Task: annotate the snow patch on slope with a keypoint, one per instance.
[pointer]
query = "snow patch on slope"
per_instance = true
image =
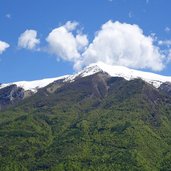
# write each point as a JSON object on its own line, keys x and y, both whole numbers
{"x": 129, "y": 74}
{"x": 90, "y": 70}
{"x": 33, "y": 85}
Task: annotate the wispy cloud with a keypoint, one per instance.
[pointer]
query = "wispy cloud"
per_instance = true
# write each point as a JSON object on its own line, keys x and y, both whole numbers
{"x": 130, "y": 14}
{"x": 165, "y": 43}
{"x": 167, "y": 29}
{"x": 147, "y": 1}
{"x": 8, "y": 16}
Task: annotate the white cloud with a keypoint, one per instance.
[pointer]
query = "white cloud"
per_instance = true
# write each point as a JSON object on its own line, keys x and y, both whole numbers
{"x": 70, "y": 26}
{"x": 65, "y": 44}
{"x": 82, "y": 41}
{"x": 3, "y": 46}
{"x": 28, "y": 40}
{"x": 115, "y": 43}
{"x": 123, "y": 44}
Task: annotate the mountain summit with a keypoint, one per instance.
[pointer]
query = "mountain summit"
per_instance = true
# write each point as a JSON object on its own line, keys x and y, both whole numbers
{"x": 11, "y": 93}
{"x": 114, "y": 71}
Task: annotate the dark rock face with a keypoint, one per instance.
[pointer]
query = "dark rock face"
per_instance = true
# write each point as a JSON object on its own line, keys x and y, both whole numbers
{"x": 92, "y": 86}
{"x": 51, "y": 88}
{"x": 10, "y": 95}
{"x": 100, "y": 85}
{"x": 166, "y": 88}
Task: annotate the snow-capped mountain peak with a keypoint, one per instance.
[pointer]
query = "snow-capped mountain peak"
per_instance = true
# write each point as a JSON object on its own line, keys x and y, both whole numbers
{"x": 120, "y": 71}
{"x": 114, "y": 71}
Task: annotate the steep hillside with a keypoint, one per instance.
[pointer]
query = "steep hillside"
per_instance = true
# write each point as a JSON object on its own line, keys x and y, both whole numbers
{"x": 97, "y": 122}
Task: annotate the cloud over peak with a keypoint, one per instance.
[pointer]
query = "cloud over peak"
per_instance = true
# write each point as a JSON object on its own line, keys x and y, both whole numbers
{"x": 3, "y": 46}
{"x": 114, "y": 43}
{"x": 28, "y": 40}
{"x": 123, "y": 44}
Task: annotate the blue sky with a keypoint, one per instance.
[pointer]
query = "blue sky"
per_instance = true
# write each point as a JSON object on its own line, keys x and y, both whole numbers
{"x": 44, "y": 58}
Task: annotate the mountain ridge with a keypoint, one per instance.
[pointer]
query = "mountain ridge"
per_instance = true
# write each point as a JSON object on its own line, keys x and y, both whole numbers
{"x": 115, "y": 71}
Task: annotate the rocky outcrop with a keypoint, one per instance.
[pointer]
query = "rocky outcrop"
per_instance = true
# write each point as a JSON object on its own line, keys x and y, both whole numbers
{"x": 166, "y": 88}
{"x": 11, "y": 95}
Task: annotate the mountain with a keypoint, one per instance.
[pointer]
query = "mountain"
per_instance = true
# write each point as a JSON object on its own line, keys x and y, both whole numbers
{"x": 11, "y": 93}
{"x": 114, "y": 71}
{"x": 102, "y": 118}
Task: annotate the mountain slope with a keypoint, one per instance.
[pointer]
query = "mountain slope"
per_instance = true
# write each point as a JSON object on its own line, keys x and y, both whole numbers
{"x": 12, "y": 93}
{"x": 97, "y": 122}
